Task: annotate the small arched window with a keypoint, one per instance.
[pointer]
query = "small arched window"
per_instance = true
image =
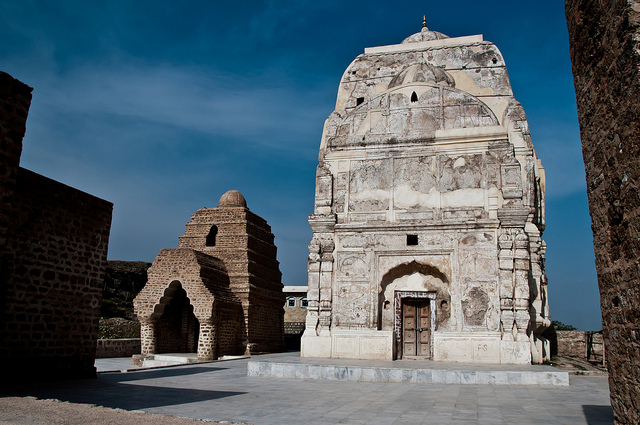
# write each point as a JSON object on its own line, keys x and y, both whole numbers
{"x": 211, "y": 237}
{"x": 291, "y": 302}
{"x": 414, "y": 97}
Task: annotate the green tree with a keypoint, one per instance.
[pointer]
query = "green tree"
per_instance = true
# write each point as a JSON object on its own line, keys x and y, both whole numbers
{"x": 559, "y": 326}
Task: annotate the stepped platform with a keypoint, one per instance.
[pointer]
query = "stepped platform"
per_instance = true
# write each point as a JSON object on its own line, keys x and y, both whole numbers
{"x": 406, "y": 371}
{"x": 166, "y": 359}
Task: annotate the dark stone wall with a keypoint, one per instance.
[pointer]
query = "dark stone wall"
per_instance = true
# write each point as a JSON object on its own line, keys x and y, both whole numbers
{"x": 54, "y": 246}
{"x": 15, "y": 99}
{"x": 604, "y": 40}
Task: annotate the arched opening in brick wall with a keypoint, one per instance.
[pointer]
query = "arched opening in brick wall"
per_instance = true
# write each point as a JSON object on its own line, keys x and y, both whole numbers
{"x": 177, "y": 330}
{"x": 211, "y": 237}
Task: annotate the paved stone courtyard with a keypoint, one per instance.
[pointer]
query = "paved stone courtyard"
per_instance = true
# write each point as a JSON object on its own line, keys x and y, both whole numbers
{"x": 222, "y": 391}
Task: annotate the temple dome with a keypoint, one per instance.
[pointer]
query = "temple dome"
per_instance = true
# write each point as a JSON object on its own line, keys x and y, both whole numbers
{"x": 424, "y": 35}
{"x": 232, "y": 198}
{"x": 422, "y": 73}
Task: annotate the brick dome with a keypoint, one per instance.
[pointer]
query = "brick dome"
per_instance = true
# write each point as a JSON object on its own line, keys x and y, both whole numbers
{"x": 232, "y": 198}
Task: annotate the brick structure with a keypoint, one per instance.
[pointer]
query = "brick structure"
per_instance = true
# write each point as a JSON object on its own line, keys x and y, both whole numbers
{"x": 219, "y": 292}
{"x": 429, "y": 211}
{"x": 53, "y": 242}
{"x": 604, "y": 38}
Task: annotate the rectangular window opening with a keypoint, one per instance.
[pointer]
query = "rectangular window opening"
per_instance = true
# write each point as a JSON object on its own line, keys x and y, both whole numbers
{"x": 412, "y": 240}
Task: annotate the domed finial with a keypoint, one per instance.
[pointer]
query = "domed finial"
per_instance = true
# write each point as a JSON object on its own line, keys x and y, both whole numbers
{"x": 424, "y": 21}
{"x": 232, "y": 198}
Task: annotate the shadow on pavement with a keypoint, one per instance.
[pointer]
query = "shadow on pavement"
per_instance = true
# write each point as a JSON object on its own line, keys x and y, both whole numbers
{"x": 597, "y": 415}
{"x": 168, "y": 372}
{"x": 127, "y": 390}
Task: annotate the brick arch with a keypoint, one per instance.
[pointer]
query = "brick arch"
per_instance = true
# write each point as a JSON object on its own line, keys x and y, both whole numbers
{"x": 176, "y": 327}
{"x": 198, "y": 296}
{"x": 206, "y": 284}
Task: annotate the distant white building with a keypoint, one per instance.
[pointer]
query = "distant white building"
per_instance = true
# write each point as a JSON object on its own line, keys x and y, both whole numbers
{"x": 295, "y": 309}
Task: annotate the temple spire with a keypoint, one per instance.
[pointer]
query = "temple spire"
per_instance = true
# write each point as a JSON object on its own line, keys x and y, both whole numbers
{"x": 424, "y": 21}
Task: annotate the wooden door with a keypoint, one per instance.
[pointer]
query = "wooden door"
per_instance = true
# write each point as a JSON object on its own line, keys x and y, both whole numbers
{"x": 416, "y": 329}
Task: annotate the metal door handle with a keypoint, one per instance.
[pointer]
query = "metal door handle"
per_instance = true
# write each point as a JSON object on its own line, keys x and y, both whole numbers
{"x": 420, "y": 330}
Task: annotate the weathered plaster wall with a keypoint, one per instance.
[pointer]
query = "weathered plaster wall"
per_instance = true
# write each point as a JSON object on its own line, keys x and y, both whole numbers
{"x": 54, "y": 247}
{"x": 605, "y": 53}
{"x": 428, "y": 184}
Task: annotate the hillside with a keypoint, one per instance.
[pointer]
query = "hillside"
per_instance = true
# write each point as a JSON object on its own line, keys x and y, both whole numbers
{"x": 122, "y": 282}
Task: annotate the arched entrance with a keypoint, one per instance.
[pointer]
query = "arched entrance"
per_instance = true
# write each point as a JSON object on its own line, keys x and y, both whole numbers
{"x": 413, "y": 299}
{"x": 177, "y": 329}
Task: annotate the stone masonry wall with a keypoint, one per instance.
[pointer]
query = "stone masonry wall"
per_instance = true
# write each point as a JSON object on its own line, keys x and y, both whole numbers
{"x": 15, "y": 99}
{"x": 574, "y": 343}
{"x": 604, "y": 38}
{"x": 57, "y": 246}
{"x": 245, "y": 244}
{"x": 125, "y": 347}
{"x": 53, "y": 248}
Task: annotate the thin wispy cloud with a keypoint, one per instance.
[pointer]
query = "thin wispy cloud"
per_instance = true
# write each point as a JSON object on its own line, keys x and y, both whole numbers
{"x": 162, "y": 107}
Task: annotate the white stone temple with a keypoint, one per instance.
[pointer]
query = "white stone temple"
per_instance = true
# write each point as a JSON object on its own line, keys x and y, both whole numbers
{"x": 429, "y": 211}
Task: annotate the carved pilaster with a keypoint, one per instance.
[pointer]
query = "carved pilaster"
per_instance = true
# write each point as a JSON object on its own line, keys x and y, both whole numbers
{"x": 320, "y": 269}
{"x": 324, "y": 189}
{"x": 521, "y": 289}
{"x": 507, "y": 319}
{"x": 505, "y": 259}
{"x": 511, "y": 177}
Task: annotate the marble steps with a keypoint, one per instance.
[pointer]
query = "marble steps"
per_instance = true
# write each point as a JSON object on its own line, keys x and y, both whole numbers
{"x": 552, "y": 377}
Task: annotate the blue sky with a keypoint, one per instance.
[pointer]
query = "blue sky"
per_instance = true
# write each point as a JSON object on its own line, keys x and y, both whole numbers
{"x": 161, "y": 107}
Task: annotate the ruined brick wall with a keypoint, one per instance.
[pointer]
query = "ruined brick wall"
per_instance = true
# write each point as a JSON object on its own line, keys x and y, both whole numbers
{"x": 54, "y": 246}
{"x": 206, "y": 283}
{"x": 15, "y": 99}
{"x": 605, "y": 53}
{"x": 124, "y": 347}
{"x": 57, "y": 247}
{"x": 574, "y": 343}
{"x": 245, "y": 244}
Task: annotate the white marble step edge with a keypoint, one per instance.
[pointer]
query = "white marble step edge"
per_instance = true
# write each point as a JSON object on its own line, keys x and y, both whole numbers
{"x": 434, "y": 376}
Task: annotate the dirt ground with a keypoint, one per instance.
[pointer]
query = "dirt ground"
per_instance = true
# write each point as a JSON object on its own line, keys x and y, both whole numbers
{"x": 31, "y": 411}
{"x": 578, "y": 366}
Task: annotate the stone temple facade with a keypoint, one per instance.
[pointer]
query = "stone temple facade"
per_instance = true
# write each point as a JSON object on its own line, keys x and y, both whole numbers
{"x": 429, "y": 211}
{"x": 219, "y": 292}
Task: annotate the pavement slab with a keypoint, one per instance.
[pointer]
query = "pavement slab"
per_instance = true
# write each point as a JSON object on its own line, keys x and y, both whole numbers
{"x": 222, "y": 391}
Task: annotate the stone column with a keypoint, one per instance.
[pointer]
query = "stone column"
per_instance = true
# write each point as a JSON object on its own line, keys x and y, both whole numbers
{"x": 505, "y": 259}
{"x": 521, "y": 289}
{"x": 147, "y": 337}
{"x": 326, "y": 282}
{"x": 207, "y": 340}
{"x": 316, "y": 340}
{"x": 515, "y": 346}
{"x": 313, "y": 290}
